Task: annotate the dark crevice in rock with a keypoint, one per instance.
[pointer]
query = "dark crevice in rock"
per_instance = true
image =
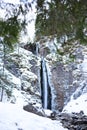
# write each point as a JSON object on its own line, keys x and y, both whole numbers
{"x": 32, "y": 47}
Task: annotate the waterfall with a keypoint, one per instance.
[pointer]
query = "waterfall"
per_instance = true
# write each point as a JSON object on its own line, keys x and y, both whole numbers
{"x": 37, "y": 48}
{"x": 45, "y": 88}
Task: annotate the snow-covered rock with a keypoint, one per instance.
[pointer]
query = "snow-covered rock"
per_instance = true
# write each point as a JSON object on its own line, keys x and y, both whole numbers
{"x": 19, "y": 78}
{"x": 78, "y": 100}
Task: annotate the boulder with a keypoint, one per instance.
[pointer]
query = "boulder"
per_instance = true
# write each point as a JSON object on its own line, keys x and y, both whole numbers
{"x": 31, "y": 108}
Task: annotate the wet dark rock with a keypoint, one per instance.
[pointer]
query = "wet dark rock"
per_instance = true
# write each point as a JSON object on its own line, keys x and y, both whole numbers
{"x": 31, "y": 47}
{"x": 53, "y": 115}
{"x": 20, "y": 129}
{"x": 33, "y": 109}
{"x": 74, "y": 121}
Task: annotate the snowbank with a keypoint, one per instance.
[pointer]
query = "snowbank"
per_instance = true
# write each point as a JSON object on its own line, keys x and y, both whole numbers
{"x": 80, "y": 104}
{"x": 14, "y": 118}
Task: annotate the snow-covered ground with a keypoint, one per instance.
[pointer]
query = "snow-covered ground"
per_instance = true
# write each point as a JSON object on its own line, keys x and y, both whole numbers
{"x": 13, "y": 117}
{"x": 80, "y": 104}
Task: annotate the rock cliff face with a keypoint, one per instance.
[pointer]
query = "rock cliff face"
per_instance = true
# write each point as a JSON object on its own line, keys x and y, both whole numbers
{"x": 66, "y": 71}
{"x": 21, "y": 77}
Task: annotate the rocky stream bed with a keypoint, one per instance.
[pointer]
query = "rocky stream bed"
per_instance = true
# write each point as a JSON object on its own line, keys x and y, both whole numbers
{"x": 73, "y": 121}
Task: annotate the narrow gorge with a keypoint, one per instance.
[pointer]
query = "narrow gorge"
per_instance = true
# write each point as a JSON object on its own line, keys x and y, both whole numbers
{"x": 40, "y": 78}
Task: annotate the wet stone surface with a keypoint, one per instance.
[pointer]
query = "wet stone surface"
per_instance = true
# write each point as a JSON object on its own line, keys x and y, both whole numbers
{"x": 74, "y": 121}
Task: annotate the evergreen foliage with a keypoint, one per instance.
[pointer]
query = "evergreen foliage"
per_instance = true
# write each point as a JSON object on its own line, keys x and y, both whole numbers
{"x": 62, "y": 17}
{"x": 10, "y": 31}
{"x": 11, "y": 26}
{"x": 14, "y": 22}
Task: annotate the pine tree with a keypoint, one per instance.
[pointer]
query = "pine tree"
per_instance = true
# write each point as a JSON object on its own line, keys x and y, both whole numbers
{"x": 62, "y": 17}
{"x": 11, "y": 26}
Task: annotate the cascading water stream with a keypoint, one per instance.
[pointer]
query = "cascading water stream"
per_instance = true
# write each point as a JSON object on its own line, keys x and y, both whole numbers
{"x": 45, "y": 88}
{"x": 37, "y": 48}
